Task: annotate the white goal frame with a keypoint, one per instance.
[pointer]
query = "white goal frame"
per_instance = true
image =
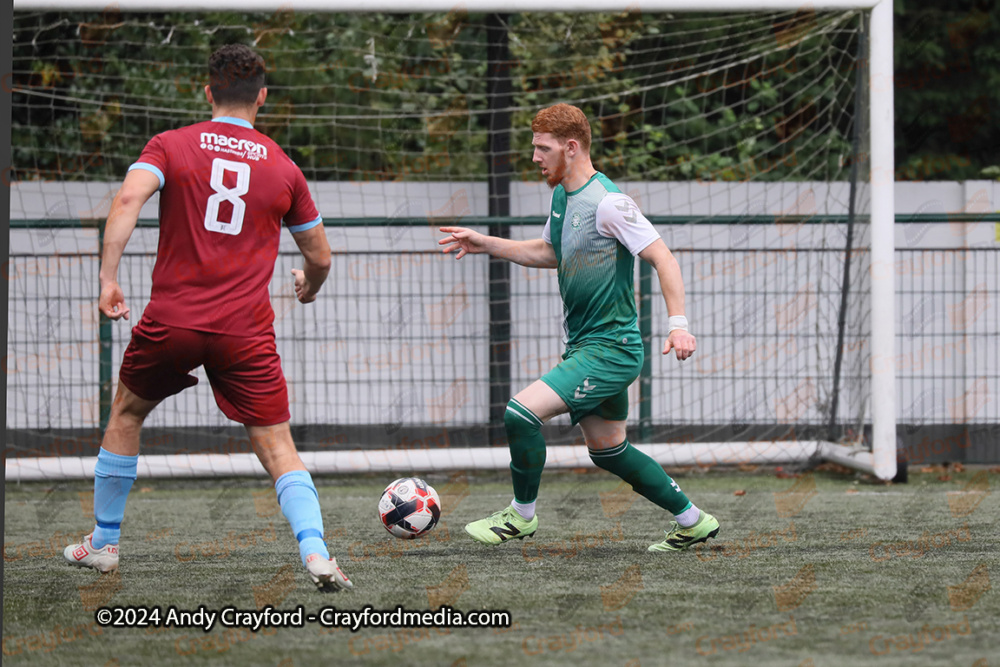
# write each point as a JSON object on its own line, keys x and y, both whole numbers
{"x": 879, "y": 461}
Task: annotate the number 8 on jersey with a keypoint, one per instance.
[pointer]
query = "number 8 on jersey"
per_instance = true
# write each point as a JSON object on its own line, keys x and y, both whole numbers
{"x": 231, "y": 195}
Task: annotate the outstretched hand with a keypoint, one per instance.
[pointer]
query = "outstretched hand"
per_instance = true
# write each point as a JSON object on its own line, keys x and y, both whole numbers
{"x": 681, "y": 342}
{"x": 466, "y": 241}
{"x": 112, "y": 301}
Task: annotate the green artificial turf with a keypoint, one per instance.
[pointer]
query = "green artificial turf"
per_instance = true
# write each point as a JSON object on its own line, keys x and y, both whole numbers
{"x": 829, "y": 568}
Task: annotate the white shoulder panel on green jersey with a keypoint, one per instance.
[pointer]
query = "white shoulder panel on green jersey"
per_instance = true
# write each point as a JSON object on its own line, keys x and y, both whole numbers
{"x": 618, "y": 216}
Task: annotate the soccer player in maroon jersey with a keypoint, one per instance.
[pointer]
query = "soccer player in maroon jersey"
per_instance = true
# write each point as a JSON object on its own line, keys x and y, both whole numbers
{"x": 225, "y": 190}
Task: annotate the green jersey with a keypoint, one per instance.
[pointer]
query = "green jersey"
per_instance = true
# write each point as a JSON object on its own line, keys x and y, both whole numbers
{"x": 595, "y": 232}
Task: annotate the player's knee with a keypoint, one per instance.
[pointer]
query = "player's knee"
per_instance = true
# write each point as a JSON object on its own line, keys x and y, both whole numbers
{"x": 519, "y": 420}
{"x": 128, "y": 409}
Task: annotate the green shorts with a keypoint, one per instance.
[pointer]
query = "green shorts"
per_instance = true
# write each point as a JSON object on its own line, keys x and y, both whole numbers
{"x": 593, "y": 379}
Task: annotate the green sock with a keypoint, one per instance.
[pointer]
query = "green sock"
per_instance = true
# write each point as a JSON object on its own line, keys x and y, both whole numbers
{"x": 527, "y": 450}
{"x": 646, "y": 476}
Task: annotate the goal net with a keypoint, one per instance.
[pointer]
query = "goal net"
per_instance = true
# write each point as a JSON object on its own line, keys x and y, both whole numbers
{"x": 743, "y": 136}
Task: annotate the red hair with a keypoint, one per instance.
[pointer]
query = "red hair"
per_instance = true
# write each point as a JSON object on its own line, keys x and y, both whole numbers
{"x": 564, "y": 122}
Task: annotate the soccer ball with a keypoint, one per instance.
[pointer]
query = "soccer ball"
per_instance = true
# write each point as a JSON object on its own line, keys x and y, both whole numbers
{"x": 409, "y": 508}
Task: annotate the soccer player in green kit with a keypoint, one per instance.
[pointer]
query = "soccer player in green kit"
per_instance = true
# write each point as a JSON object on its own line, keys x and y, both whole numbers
{"x": 592, "y": 235}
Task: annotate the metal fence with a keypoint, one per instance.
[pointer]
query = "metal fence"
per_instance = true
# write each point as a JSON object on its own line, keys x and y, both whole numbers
{"x": 397, "y": 350}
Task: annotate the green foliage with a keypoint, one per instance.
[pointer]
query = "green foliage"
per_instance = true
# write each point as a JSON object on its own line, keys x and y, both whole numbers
{"x": 947, "y": 89}
{"x": 394, "y": 97}
{"x": 993, "y": 171}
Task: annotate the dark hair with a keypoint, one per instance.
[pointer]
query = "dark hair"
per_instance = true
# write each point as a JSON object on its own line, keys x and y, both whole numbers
{"x": 235, "y": 74}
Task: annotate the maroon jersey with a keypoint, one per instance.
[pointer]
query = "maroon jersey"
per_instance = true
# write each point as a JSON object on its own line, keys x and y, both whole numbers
{"x": 225, "y": 189}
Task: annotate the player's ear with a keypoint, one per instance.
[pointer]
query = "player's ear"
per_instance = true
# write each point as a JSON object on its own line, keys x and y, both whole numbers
{"x": 572, "y": 147}
{"x": 208, "y": 95}
{"x": 261, "y": 97}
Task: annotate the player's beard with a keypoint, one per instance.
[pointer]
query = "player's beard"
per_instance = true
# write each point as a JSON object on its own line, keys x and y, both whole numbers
{"x": 556, "y": 174}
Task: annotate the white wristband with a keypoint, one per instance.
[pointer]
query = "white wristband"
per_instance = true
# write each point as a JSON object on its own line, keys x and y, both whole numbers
{"x": 676, "y": 322}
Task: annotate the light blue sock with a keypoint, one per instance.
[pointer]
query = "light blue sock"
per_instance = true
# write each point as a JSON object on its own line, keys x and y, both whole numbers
{"x": 300, "y": 504}
{"x": 113, "y": 478}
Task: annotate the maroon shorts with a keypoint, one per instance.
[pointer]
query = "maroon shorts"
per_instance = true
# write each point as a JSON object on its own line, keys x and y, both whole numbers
{"x": 244, "y": 371}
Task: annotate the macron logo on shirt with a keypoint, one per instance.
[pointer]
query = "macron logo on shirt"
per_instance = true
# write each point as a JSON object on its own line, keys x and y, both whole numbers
{"x": 244, "y": 148}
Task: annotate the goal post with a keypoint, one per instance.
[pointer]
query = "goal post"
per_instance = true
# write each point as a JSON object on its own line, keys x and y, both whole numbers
{"x": 758, "y": 145}
{"x": 882, "y": 110}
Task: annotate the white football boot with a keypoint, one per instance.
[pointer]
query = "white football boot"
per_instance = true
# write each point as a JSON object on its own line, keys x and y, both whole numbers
{"x": 84, "y": 554}
{"x": 327, "y": 576}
